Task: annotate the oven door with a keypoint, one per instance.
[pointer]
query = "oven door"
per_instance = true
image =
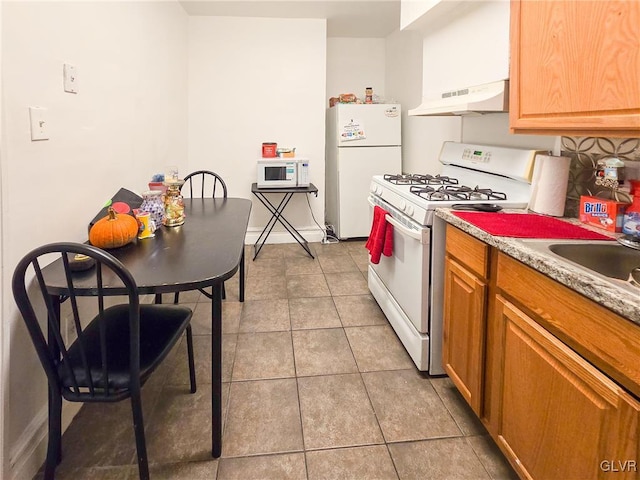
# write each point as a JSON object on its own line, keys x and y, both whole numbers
{"x": 405, "y": 274}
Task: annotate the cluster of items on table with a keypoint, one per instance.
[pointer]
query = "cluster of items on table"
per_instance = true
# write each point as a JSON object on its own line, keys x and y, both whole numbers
{"x": 128, "y": 216}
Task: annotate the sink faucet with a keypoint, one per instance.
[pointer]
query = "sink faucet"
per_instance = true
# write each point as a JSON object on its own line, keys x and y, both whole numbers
{"x": 629, "y": 241}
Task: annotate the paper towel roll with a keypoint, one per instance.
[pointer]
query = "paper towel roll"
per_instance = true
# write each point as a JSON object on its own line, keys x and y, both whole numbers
{"x": 549, "y": 185}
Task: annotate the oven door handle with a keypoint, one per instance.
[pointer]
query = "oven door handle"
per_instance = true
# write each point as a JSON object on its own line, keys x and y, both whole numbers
{"x": 403, "y": 229}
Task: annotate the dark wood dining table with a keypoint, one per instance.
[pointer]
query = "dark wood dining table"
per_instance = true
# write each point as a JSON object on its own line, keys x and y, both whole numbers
{"x": 203, "y": 252}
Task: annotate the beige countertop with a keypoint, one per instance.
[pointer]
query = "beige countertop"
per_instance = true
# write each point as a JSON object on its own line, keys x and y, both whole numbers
{"x": 616, "y": 295}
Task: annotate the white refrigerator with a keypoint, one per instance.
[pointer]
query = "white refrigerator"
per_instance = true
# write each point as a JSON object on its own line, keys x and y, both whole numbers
{"x": 362, "y": 140}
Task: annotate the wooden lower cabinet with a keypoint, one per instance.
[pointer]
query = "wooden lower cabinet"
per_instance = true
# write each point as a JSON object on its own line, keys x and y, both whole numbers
{"x": 463, "y": 330}
{"x": 558, "y": 416}
{"x": 553, "y": 376}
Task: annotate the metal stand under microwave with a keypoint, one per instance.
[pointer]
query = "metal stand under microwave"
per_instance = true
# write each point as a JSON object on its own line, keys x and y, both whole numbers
{"x": 283, "y": 173}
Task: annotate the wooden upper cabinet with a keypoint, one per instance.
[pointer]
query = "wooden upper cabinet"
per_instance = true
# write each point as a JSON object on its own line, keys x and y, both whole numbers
{"x": 575, "y": 67}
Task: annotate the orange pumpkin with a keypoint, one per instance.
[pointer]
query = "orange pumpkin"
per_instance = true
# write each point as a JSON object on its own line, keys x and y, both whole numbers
{"x": 114, "y": 230}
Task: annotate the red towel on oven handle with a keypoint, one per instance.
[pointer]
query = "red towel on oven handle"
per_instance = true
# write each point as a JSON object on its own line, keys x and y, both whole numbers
{"x": 380, "y": 241}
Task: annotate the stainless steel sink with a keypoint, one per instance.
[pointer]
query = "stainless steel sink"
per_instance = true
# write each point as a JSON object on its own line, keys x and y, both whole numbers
{"x": 610, "y": 260}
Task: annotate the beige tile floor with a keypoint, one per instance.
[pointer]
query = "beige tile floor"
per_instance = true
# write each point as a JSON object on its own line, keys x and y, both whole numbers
{"x": 316, "y": 386}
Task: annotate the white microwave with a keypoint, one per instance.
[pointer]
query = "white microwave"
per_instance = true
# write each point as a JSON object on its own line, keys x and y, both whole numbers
{"x": 281, "y": 173}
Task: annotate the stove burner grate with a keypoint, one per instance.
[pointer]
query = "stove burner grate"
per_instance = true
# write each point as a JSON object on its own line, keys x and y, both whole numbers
{"x": 419, "y": 179}
{"x": 440, "y": 180}
{"x": 456, "y": 192}
{"x": 400, "y": 179}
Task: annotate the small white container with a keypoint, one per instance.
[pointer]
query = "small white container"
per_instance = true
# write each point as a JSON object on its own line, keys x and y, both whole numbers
{"x": 614, "y": 170}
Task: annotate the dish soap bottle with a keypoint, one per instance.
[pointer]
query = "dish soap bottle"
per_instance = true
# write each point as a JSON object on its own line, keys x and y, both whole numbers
{"x": 631, "y": 223}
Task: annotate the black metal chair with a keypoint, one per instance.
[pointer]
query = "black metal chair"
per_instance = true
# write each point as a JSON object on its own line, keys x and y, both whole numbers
{"x": 107, "y": 359}
{"x": 208, "y": 184}
{"x": 203, "y": 184}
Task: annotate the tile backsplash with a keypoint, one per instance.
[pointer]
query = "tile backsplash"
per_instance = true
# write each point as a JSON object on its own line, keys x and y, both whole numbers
{"x": 585, "y": 153}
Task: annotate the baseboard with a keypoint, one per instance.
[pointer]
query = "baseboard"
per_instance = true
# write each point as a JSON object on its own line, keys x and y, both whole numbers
{"x": 310, "y": 234}
{"x": 29, "y": 452}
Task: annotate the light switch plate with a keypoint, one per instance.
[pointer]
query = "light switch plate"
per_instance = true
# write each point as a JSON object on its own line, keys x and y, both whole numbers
{"x": 39, "y": 123}
{"x": 70, "y": 74}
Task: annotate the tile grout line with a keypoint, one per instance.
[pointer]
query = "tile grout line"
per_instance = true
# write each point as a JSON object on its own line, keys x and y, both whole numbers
{"x": 466, "y": 439}
{"x": 295, "y": 372}
{"x": 225, "y": 415}
{"x": 364, "y": 384}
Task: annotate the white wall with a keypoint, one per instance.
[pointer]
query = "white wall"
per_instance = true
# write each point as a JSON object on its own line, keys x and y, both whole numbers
{"x": 127, "y": 122}
{"x": 422, "y": 137}
{"x": 254, "y": 80}
{"x": 4, "y": 391}
{"x": 393, "y": 68}
{"x": 466, "y": 47}
{"x": 467, "y": 50}
{"x": 412, "y": 10}
{"x": 353, "y": 64}
{"x": 494, "y": 129}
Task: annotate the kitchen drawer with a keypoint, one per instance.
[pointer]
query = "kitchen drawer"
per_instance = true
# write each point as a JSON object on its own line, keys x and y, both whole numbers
{"x": 607, "y": 340}
{"x": 471, "y": 252}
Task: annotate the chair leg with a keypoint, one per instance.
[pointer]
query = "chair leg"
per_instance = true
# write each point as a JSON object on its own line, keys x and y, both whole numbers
{"x": 54, "y": 450}
{"x": 138, "y": 428}
{"x": 224, "y": 292}
{"x": 241, "y": 292}
{"x": 192, "y": 367}
{"x": 176, "y": 298}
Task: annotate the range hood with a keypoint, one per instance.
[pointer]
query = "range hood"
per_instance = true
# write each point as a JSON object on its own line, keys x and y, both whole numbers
{"x": 488, "y": 98}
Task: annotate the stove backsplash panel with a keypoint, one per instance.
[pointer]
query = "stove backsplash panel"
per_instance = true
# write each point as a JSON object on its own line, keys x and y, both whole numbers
{"x": 585, "y": 153}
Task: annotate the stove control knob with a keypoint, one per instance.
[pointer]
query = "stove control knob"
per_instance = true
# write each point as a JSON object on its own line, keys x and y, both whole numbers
{"x": 409, "y": 210}
{"x": 403, "y": 205}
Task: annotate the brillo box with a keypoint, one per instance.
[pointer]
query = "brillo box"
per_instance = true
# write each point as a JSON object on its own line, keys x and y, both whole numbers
{"x": 603, "y": 213}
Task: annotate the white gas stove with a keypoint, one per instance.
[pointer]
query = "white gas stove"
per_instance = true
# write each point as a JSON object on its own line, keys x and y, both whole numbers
{"x": 470, "y": 174}
{"x": 408, "y": 285}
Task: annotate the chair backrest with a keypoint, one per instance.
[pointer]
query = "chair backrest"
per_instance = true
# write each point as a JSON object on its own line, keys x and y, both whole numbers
{"x": 202, "y": 184}
{"x": 72, "y": 348}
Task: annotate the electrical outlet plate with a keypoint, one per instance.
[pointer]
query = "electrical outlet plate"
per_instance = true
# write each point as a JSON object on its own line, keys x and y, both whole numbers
{"x": 39, "y": 123}
{"x": 70, "y": 78}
